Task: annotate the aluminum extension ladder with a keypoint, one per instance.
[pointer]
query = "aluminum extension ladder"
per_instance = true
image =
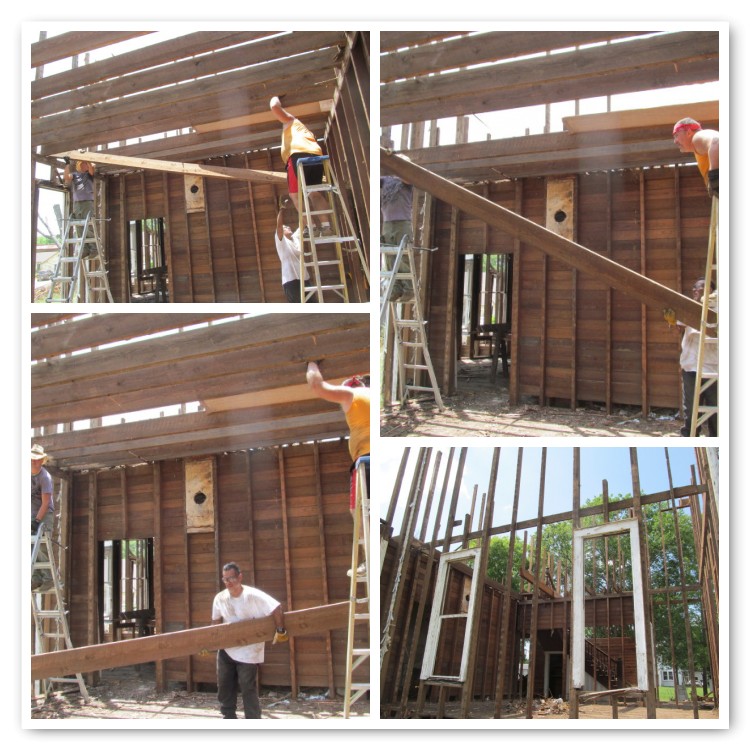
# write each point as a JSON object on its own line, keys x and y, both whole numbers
{"x": 326, "y": 251}
{"x": 360, "y": 576}
{"x": 51, "y": 621}
{"x": 410, "y": 346}
{"x": 80, "y": 257}
{"x": 702, "y": 412}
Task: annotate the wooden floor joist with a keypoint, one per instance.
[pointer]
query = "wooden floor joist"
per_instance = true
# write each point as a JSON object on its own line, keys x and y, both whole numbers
{"x": 186, "y": 642}
{"x": 619, "y": 277}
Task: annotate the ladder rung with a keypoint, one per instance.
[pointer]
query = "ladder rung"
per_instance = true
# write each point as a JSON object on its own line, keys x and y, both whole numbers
{"x": 420, "y": 388}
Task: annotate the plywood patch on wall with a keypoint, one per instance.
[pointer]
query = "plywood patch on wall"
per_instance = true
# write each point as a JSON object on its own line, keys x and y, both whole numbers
{"x": 199, "y": 495}
{"x": 561, "y": 207}
{"x": 194, "y": 194}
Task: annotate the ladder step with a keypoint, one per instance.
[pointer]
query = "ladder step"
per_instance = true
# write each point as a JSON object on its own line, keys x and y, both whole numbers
{"x": 420, "y": 388}
{"x": 321, "y": 263}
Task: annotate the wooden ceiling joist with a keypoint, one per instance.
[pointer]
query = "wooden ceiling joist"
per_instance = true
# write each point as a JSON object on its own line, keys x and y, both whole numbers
{"x": 159, "y": 165}
{"x": 250, "y": 355}
{"x": 244, "y": 56}
{"x": 143, "y": 58}
{"x": 394, "y": 40}
{"x": 554, "y": 153}
{"x": 73, "y": 43}
{"x": 581, "y": 258}
{"x": 482, "y": 48}
{"x": 103, "y": 329}
{"x": 196, "y": 433}
{"x": 638, "y": 65}
{"x": 204, "y": 100}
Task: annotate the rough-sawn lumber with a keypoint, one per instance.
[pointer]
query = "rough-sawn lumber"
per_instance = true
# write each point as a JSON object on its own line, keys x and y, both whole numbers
{"x": 229, "y": 173}
{"x": 619, "y": 277}
{"x": 186, "y": 642}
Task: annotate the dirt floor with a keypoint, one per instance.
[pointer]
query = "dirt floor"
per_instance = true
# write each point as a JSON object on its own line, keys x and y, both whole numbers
{"x": 481, "y": 409}
{"x": 129, "y": 693}
{"x": 558, "y": 709}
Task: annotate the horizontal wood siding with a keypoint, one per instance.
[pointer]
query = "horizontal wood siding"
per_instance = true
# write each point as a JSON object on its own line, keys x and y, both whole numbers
{"x": 667, "y": 241}
{"x": 249, "y": 531}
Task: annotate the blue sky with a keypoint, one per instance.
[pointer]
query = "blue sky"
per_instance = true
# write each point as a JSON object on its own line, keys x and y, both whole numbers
{"x": 597, "y": 464}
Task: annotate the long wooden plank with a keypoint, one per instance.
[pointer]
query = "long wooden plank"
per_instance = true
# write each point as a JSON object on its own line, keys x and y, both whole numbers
{"x": 203, "y": 100}
{"x": 148, "y": 56}
{"x": 235, "y": 335}
{"x": 229, "y": 173}
{"x": 393, "y": 40}
{"x": 103, "y": 329}
{"x": 646, "y": 117}
{"x": 485, "y": 47}
{"x": 212, "y": 63}
{"x": 650, "y": 63}
{"x": 186, "y": 642}
{"x": 74, "y": 42}
{"x": 642, "y": 288}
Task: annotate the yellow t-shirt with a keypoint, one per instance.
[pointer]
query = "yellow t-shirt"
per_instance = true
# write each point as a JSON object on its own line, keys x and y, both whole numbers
{"x": 358, "y": 419}
{"x": 295, "y": 139}
{"x": 703, "y": 164}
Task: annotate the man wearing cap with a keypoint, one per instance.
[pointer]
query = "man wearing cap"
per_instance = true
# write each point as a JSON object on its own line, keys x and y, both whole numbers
{"x": 237, "y": 667}
{"x": 353, "y": 396}
{"x": 693, "y": 139}
{"x": 42, "y": 512}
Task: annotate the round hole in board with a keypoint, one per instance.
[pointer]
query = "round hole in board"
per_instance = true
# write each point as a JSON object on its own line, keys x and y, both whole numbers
{"x": 194, "y": 189}
{"x": 199, "y": 498}
{"x": 560, "y": 216}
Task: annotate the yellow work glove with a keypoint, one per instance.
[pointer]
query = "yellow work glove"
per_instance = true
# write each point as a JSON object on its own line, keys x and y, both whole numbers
{"x": 204, "y": 652}
{"x": 280, "y": 636}
{"x": 670, "y": 315}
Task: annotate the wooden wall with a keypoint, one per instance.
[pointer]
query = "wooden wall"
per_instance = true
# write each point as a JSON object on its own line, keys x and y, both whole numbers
{"x": 289, "y": 532}
{"x": 449, "y": 653}
{"x": 574, "y": 338}
{"x": 226, "y": 253}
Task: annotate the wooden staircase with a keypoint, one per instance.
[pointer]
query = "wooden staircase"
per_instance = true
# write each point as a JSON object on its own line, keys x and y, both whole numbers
{"x": 602, "y": 667}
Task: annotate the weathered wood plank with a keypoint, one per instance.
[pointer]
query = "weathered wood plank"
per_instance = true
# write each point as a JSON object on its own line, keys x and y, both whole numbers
{"x": 73, "y": 43}
{"x": 664, "y": 61}
{"x": 485, "y": 47}
{"x": 187, "y": 642}
{"x": 618, "y": 276}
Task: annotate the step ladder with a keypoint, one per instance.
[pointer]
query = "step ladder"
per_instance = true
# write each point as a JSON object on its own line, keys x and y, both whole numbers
{"x": 80, "y": 258}
{"x": 411, "y": 354}
{"x": 359, "y": 622}
{"x": 50, "y": 616}
{"x": 703, "y": 412}
{"x": 323, "y": 256}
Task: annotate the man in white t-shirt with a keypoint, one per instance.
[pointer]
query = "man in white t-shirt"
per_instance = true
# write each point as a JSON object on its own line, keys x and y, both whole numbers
{"x": 238, "y": 666}
{"x": 689, "y": 366}
{"x": 288, "y": 248}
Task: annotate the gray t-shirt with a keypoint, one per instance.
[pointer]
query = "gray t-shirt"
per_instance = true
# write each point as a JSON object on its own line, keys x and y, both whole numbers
{"x": 395, "y": 199}
{"x": 41, "y": 483}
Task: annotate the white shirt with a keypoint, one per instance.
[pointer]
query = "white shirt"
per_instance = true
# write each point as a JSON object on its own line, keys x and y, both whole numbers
{"x": 288, "y": 250}
{"x": 251, "y": 604}
{"x": 691, "y": 343}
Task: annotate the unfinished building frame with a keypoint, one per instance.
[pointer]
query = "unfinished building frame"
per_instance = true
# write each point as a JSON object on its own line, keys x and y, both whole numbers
{"x": 584, "y": 611}
{"x": 150, "y": 509}
{"x": 609, "y": 187}
{"x": 188, "y": 172}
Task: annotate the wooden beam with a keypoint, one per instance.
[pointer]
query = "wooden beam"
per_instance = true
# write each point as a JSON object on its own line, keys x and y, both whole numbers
{"x": 74, "y": 42}
{"x": 228, "y": 173}
{"x": 186, "y": 642}
{"x": 665, "y": 61}
{"x": 647, "y": 117}
{"x": 624, "y": 279}
{"x": 147, "y": 56}
{"x": 103, "y": 329}
{"x": 486, "y": 47}
{"x": 393, "y": 40}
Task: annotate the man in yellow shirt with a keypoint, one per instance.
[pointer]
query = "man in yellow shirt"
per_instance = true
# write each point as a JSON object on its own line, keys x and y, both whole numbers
{"x": 353, "y": 396}
{"x": 298, "y": 142}
{"x": 704, "y": 144}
